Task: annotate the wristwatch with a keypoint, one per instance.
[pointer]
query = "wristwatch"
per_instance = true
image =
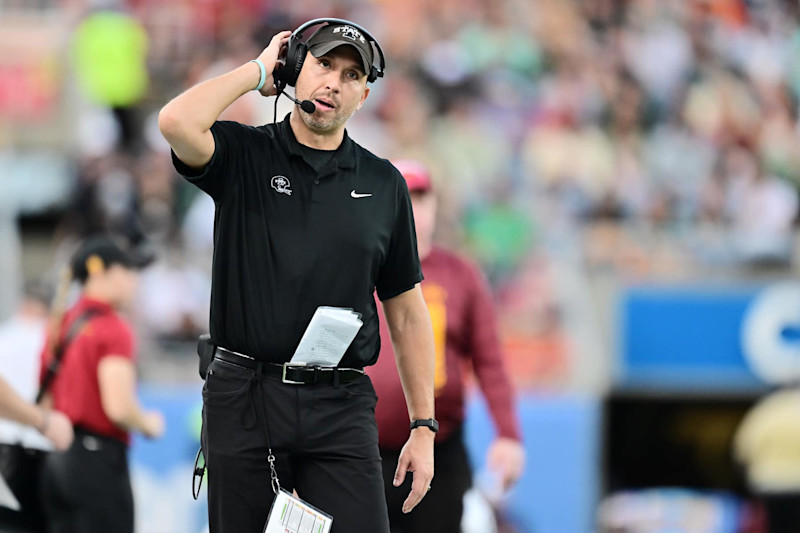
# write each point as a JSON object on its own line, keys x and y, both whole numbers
{"x": 430, "y": 423}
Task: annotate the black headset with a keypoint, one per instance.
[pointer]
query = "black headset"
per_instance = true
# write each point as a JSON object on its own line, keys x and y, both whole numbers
{"x": 296, "y": 51}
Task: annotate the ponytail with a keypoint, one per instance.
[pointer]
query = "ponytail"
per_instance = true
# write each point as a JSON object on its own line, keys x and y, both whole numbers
{"x": 57, "y": 309}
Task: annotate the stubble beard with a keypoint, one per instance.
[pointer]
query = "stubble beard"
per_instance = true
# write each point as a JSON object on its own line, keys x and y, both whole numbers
{"x": 322, "y": 124}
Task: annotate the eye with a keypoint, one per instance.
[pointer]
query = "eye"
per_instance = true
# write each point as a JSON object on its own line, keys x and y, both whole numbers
{"x": 352, "y": 75}
{"x": 324, "y": 63}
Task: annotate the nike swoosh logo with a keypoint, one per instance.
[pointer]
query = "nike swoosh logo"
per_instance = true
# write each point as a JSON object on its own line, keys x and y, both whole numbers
{"x": 355, "y": 194}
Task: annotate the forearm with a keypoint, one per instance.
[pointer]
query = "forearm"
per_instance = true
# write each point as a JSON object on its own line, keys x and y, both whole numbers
{"x": 195, "y": 110}
{"x": 488, "y": 360}
{"x": 498, "y": 389}
{"x": 14, "y": 407}
{"x": 412, "y": 339}
{"x": 502, "y": 406}
{"x": 132, "y": 418}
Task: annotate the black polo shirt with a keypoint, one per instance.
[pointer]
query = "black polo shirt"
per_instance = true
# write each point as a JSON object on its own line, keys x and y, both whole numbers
{"x": 288, "y": 239}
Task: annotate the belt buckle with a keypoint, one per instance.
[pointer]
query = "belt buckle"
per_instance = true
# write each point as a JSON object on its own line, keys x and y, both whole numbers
{"x": 286, "y": 366}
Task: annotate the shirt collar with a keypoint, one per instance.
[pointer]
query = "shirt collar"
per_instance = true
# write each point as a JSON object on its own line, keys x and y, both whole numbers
{"x": 90, "y": 303}
{"x": 345, "y": 155}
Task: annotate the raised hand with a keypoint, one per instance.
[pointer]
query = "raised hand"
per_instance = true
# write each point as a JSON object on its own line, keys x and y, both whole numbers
{"x": 269, "y": 57}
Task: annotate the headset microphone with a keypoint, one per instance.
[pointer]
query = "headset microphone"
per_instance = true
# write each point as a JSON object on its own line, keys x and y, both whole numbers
{"x": 306, "y": 105}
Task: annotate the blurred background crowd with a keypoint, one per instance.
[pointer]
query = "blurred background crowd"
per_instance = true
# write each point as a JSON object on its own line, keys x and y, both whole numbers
{"x": 578, "y": 148}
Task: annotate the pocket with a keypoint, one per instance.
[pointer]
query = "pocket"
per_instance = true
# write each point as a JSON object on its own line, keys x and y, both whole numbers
{"x": 361, "y": 387}
{"x": 226, "y": 380}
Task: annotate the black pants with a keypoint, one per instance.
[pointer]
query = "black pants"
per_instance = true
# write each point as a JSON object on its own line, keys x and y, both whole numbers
{"x": 441, "y": 509}
{"x": 783, "y": 512}
{"x": 17, "y": 522}
{"x": 24, "y": 483}
{"x": 87, "y": 488}
{"x": 324, "y": 437}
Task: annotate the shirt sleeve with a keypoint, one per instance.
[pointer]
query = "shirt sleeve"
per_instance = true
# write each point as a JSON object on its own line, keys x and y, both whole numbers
{"x": 225, "y": 165}
{"x": 401, "y": 270}
{"x": 487, "y": 356}
{"x": 117, "y": 340}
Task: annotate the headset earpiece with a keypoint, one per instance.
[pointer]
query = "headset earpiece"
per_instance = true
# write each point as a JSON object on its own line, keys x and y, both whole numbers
{"x": 288, "y": 73}
{"x": 295, "y": 62}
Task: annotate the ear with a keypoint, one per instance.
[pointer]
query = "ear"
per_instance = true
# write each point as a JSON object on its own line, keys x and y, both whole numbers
{"x": 363, "y": 98}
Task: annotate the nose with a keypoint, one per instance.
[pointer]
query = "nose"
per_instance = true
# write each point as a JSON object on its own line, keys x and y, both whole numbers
{"x": 333, "y": 81}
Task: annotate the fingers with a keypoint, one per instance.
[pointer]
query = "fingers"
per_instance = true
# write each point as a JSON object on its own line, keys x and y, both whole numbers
{"x": 400, "y": 471}
{"x": 504, "y": 468}
{"x": 270, "y": 58}
{"x": 280, "y": 39}
{"x": 508, "y": 478}
{"x": 419, "y": 488}
{"x": 506, "y": 457}
{"x": 416, "y": 457}
{"x": 59, "y": 431}
{"x": 154, "y": 425}
{"x": 270, "y": 54}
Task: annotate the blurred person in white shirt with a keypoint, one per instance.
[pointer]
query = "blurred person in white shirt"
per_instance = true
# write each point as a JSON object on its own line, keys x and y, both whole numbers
{"x": 22, "y": 422}
{"x": 21, "y": 341}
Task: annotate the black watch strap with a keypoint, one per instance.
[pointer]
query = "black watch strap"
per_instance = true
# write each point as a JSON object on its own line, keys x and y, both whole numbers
{"x": 430, "y": 423}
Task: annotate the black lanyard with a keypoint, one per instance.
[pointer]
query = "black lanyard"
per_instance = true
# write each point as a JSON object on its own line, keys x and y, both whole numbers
{"x": 200, "y": 469}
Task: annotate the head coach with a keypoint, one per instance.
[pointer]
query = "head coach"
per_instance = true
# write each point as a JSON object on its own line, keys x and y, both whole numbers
{"x": 305, "y": 217}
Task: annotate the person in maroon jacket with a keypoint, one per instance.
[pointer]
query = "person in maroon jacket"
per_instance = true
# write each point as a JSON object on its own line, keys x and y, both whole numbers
{"x": 465, "y": 331}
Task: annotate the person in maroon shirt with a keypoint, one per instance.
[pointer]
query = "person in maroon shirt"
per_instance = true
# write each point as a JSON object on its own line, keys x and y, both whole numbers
{"x": 465, "y": 332}
{"x": 87, "y": 487}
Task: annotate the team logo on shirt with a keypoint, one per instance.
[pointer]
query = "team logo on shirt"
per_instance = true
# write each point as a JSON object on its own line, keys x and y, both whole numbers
{"x": 281, "y": 184}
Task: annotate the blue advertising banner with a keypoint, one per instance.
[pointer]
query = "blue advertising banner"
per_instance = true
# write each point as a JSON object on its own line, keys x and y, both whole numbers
{"x": 559, "y": 490}
{"x": 714, "y": 338}
{"x": 161, "y": 470}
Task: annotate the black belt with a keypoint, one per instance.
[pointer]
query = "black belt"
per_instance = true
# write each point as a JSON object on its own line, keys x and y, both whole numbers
{"x": 292, "y": 373}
